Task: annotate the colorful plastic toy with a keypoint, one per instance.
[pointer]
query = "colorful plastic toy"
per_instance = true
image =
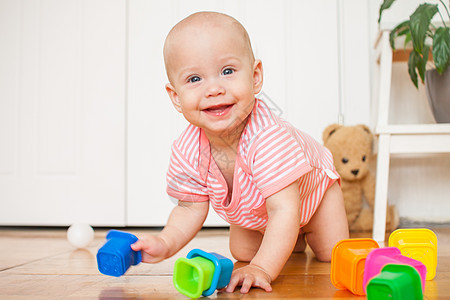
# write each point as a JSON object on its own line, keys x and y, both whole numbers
{"x": 378, "y": 258}
{"x": 116, "y": 256}
{"x": 395, "y": 282}
{"x": 347, "y": 263}
{"x": 419, "y": 244}
{"x": 201, "y": 273}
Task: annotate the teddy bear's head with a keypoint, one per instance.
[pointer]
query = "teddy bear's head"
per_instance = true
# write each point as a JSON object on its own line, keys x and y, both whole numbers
{"x": 351, "y": 147}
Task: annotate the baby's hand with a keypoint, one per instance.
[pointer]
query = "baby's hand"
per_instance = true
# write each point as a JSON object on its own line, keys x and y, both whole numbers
{"x": 247, "y": 277}
{"x": 154, "y": 249}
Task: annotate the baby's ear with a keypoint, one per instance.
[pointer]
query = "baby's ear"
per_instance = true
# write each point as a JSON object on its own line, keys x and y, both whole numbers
{"x": 174, "y": 97}
{"x": 257, "y": 76}
{"x": 329, "y": 131}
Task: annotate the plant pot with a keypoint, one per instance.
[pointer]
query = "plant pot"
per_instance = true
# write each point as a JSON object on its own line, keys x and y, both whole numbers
{"x": 438, "y": 94}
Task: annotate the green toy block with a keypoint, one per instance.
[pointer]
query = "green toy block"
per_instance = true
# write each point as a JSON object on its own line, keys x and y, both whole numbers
{"x": 193, "y": 276}
{"x": 399, "y": 282}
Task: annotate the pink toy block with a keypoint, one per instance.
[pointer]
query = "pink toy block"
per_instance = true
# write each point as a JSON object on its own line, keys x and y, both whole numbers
{"x": 380, "y": 257}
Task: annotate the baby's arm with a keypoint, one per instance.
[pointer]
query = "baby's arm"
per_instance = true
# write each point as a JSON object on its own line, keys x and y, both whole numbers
{"x": 185, "y": 221}
{"x": 283, "y": 209}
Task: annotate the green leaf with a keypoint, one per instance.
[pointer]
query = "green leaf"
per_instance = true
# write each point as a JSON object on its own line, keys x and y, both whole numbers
{"x": 385, "y": 5}
{"x": 407, "y": 39}
{"x": 441, "y": 49}
{"x": 419, "y": 22}
{"x": 422, "y": 62}
{"x": 399, "y": 30}
{"x": 412, "y": 63}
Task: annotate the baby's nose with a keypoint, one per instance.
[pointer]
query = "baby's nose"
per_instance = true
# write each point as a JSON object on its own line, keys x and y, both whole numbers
{"x": 214, "y": 89}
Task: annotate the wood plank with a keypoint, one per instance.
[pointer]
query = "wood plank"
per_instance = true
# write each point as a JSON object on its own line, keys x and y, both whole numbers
{"x": 402, "y": 55}
{"x": 73, "y": 274}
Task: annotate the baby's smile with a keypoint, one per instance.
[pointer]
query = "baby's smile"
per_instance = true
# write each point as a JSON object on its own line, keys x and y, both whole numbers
{"x": 218, "y": 110}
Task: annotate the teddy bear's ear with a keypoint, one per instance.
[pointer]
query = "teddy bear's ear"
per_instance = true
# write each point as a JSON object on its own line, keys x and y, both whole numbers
{"x": 329, "y": 131}
{"x": 365, "y": 128}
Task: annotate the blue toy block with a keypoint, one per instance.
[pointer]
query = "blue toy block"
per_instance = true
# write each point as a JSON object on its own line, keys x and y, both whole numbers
{"x": 116, "y": 256}
{"x": 201, "y": 273}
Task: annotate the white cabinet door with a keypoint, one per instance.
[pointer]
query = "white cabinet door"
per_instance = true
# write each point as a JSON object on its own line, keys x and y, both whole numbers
{"x": 297, "y": 42}
{"x": 62, "y": 112}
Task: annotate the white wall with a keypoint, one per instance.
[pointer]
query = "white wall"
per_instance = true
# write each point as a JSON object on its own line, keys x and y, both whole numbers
{"x": 96, "y": 67}
{"x": 62, "y": 112}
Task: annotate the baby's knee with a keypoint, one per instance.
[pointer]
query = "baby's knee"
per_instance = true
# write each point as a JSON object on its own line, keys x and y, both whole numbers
{"x": 241, "y": 253}
{"x": 244, "y": 243}
{"x": 322, "y": 243}
{"x": 323, "y": 255}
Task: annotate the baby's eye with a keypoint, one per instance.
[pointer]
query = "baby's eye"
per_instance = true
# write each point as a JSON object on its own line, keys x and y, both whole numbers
{"x": 227, "y": 71}
{"x": 194, "y": 79}
{"x": 345, "y": 160}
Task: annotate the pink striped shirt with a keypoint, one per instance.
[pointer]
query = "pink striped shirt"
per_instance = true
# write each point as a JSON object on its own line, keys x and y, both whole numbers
{"x": 271, "y": 155}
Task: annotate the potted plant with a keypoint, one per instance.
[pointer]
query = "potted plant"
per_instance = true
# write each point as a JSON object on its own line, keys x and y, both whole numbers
{"x": 425, "y": 37}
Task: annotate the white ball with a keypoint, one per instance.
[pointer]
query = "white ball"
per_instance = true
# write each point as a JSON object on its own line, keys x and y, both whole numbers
{"x": 80, "y": 235}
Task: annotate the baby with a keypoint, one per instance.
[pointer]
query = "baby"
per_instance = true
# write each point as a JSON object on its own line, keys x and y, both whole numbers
{"x": 275, "y": 185}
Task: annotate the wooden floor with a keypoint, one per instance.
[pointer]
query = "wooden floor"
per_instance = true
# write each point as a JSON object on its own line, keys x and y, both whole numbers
{"x": 41, "y": 264}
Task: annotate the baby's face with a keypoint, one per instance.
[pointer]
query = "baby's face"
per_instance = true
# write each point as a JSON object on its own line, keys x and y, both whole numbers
{"x": 213, "y": 76}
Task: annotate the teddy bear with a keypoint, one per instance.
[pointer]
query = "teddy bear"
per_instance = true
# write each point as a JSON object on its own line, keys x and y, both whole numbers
{"x": 351, "y": 147}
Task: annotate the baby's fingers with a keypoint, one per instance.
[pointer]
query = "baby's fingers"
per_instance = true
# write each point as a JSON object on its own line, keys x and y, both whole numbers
{"x": 247, "y": 281}
{"x": 251, "y": 281}
{"x": 265, "y": 285}
{"x": 147, "y": 249}
{"x": 138, "y": 246}
{"x": 246, "y": 285}
{"x": 234, "y": 281}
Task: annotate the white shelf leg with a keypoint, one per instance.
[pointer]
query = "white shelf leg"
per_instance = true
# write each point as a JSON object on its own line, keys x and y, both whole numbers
{"x": 381, "y": 189}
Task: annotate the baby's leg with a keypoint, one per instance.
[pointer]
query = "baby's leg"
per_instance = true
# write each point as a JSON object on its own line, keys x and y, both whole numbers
{"x": 328, "y": 225}
{"x": 300, "y": 245}
{"x": 244, "y": 243}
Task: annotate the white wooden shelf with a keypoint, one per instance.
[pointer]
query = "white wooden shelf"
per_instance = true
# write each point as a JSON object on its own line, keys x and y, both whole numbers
{"x": 417, "y": 138}
{"x": 424, "y": 129}
{"x": 397, "y": 139}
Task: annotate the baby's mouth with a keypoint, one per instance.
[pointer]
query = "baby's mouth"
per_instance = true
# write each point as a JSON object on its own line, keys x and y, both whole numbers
{"x": 218, "y": 110}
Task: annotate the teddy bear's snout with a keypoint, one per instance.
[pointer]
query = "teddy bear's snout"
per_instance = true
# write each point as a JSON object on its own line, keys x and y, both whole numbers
{"x": 355, "y": 172}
